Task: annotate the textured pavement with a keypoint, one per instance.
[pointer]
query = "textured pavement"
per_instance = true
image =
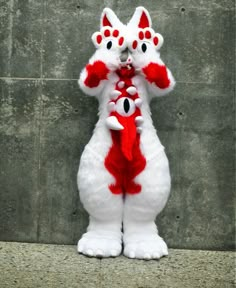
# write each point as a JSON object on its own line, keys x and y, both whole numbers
{"x": 39, "y": 265}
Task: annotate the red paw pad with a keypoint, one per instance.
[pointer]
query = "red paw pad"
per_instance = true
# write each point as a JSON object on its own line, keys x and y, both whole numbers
{"x": 135, "y": 44}
{"x": 121, "y": 41}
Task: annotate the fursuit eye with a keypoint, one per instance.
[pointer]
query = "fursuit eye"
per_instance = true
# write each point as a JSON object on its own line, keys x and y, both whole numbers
{"x": 125, "y": 106}
{"x": 109, "y": 45}
{"x": 144, "y": 47}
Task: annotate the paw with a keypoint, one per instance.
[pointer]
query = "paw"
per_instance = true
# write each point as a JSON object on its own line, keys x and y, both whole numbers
{"x": 147, "y": 35}
{"x": 95, "y": 244}
{"x": 157, "y": 74}
{"x": 108, "y": 38}
{"x": 95, "y": 73}
{"x": 153, "y": 247}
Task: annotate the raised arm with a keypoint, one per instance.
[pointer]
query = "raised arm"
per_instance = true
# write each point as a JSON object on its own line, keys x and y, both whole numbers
{"x": 94, "y": 76}
{"x": 159, "y": 78}
{"x": 108, "y": 42}
{"x": 145, "y": 46}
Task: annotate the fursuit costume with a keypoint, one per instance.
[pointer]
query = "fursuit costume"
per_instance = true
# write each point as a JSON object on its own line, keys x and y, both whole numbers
{"x": 123, "y": 179}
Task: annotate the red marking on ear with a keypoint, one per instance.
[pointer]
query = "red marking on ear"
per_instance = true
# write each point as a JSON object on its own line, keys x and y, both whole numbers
{"x": 121, "y": 41}
{"x": 135, "y": 44}
{"x": 107, "y": 33}
{"x": 155, "y": 40}
{"x": 99, "y": 39}
{"x": 148, "y": 34}
{"x": 143, "y": 22}
{"x": 115, "y": 33}
{"x": 105, "y": 21}
{"x": 141, "y": 35}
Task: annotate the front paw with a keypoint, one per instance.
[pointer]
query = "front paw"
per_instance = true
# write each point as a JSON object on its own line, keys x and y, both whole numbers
{"x": 95, "y": 73}
{"x": 157, "y": 74}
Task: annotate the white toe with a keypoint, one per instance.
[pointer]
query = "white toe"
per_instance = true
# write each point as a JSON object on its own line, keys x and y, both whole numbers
{"x": 99, "y": 253}
{"x": 147, "y": 256}
{"x": 89, "y": 252}
{"x": 156, "y": 255}
{"x": 131, "y": 254}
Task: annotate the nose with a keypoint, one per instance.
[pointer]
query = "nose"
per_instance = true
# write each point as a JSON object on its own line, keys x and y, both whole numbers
{"x": 124, "y": 55}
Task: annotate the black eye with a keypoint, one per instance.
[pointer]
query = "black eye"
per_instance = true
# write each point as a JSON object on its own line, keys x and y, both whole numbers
{"x": 109, "y": 44}
{"x": 144, "y": 47}
{"x": 126, "y": 105}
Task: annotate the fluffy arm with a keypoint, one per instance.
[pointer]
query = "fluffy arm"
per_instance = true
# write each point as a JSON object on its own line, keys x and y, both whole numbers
{"x": 93, "y": 76}
{"x": 159, "y": 78}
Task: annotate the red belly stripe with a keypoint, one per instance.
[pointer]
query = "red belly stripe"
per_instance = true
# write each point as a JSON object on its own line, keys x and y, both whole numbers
{"x": 125, "y": 160}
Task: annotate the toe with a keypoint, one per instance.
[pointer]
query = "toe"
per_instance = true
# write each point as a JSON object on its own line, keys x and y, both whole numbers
{"x": 147, "y": 256}
{"x": 89, "y": 252}
{"x": 80, "y": 248}
{"x": 131, "y": 254}
{"x": 99, "y": 253}
{"x": 156, "y": 255}
{"x": 114, "y": 253}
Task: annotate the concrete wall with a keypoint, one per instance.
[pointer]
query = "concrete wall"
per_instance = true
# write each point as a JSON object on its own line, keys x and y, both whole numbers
{"x": 45, "y": 120}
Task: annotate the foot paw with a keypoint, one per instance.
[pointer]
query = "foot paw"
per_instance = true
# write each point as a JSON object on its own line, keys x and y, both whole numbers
{"x": 95, "y": 244}
{"x": 147, "y": 248}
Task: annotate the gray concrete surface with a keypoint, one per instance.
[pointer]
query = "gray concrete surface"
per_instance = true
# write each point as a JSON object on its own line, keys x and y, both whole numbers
{"x": 39, "y": 265}
{"x": 45, "y": 120}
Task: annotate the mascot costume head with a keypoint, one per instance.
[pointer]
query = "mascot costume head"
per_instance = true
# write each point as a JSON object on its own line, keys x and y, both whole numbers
{"x": 123, "y": 177}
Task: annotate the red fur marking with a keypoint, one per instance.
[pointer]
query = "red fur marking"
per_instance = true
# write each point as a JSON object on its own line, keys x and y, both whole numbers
{"x": 125, "y": 75}
{"x": 107, "y": 33}
{"x": 148, "y": 34}
{"x": 135, "y": 44}
{"x": 99, "y": 39}
{"x": 121, "y": 41}
{"x": 123, "y": 170}
{"x": 157, "y": 74}
{"x": 155, "y": 40}
{"x": 141, "y": 35}
{"x": 143, "y": 22}
{"x": 96, "y": 72}
{"x": 105, "y": 21}
{"x": 115, "y": 33}
{"x": 125, "y": 160}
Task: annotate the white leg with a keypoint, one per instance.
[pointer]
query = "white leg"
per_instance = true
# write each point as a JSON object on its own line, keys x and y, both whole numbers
{"x": 141, "y": 239}
{"x": 104, "y": 236}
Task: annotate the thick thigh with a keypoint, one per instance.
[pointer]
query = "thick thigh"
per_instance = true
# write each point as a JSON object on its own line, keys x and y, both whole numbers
{"x": 155, "y": 182}
{"x": 93, "y": 181}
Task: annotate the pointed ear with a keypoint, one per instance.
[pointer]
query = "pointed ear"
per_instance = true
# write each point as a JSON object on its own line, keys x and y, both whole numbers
{"x": 109, "y": 18}
{"x": 141, "y": 18}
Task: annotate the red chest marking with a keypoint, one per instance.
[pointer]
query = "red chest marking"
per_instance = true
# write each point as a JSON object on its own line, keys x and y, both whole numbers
{"x": 125, "y": 160}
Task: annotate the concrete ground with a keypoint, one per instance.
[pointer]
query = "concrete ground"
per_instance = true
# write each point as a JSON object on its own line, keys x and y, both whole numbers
{"x": 26, "y": 265}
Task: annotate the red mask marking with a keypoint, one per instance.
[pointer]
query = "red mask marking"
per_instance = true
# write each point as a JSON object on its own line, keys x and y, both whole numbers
{"x": 125, "y": 160}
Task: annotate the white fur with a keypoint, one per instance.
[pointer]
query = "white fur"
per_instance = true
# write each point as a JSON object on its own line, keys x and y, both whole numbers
{"x": 108, "y": 211}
